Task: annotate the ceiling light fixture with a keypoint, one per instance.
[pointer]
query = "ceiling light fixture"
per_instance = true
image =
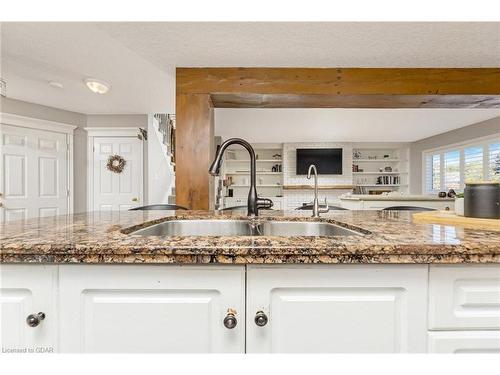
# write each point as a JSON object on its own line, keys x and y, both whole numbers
{"x": 97, "y": 86}
{"x": 3, "y": 87}
{"x": 55, "y": 84}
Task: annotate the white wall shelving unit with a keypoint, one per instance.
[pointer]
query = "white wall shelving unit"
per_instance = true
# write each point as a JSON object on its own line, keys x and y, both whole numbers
{"x": 236, "y": 174}
{"x": 378, "y": 169}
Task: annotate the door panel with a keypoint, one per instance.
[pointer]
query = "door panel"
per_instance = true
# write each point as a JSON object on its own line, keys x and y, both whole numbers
{"x": 25, "y": 290}
{"x": 15, "y": 176}
{"x": 117, "y": 191}
{"x": 162, "y": 309}
{"x": 333, "y": 309}
{"x": 33, "y": 173}
{"x": 464, "y": 297}
{"x": 464, "y": 342}
{"x": 47, "y": 177}
{"x": 111, "y": 320}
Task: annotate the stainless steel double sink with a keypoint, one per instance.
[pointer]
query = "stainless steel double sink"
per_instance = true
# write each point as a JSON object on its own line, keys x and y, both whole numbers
{"x": 244, "y": 228}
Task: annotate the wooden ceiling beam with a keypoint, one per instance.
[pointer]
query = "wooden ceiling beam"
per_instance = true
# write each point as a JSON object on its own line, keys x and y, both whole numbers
{"x": 354, "y": 101}
{"x": 339, "y": 81}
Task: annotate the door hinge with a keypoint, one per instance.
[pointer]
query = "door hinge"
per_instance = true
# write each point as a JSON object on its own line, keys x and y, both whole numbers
{"x": 67, "y": 192}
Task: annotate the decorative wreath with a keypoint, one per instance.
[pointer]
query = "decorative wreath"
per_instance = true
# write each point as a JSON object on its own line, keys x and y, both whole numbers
{"x": 116, "y": 163}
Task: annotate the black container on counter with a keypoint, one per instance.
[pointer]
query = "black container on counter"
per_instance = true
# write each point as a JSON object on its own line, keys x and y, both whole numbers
{"x": 481, "y": 200}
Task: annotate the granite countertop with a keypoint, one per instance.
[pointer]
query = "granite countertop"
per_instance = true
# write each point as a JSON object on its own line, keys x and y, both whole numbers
{"x": 388, "y": 237}
{"x": 367, "y": 197}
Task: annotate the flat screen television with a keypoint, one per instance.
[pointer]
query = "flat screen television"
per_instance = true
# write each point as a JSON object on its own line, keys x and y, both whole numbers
{"x": 326, "y": 160}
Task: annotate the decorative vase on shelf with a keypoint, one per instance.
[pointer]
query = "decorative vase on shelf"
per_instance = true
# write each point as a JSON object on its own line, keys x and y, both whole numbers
{"x": 459, "y": 206}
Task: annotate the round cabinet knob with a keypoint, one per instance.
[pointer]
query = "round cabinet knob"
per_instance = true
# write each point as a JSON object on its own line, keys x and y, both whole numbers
{"x": 230, "y": 320}
{"x": 34, "y": 320}
{"x": 261, "y": 319}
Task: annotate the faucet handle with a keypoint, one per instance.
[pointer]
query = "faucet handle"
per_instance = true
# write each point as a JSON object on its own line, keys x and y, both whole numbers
{"x": 324, "y": 209}
{"x": 264, "y": 203}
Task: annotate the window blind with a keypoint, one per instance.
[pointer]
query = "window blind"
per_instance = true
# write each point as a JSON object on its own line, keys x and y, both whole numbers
{"x": 473, "y": 164}
{"x": 436, "y": 172}
{"x": 452, "y": 170}
{"x": 494, "y": 161}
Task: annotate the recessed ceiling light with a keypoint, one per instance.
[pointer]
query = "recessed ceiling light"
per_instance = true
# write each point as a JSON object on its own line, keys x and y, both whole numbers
{"x": 55, "y": 84}
{"x": 97, "y": 86}
{"x": 3, "y": 87}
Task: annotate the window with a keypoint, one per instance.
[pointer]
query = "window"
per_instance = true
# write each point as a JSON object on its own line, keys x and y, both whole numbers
{"x": 473, "y": 164}
{"x": 494, "y": 161}
{"x": 450, "y": 168}
{"x": 436, "y": 172}
{"x": 433, "y": 172}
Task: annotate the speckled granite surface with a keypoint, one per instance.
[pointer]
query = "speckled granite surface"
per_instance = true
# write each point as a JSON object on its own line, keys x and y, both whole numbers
{"x": 389, "y": 237}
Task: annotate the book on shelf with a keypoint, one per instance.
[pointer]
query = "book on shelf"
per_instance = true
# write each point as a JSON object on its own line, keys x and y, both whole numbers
{"x": 388, "y": 180}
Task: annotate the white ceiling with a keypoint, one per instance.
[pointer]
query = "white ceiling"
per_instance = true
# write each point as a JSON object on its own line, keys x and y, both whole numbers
{"x": 343, "y": 125}
{"x": 139, "y": 59}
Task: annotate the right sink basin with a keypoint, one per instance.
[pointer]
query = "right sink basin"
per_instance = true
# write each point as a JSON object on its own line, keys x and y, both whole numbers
{"x": 303, "y": 228}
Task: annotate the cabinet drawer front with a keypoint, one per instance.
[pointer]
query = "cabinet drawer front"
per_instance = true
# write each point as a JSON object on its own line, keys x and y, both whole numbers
{"x": 337, "y": 308}
{"x": 151, "y": 309}
{"x": 464, "y": 342}
{"x": 464, "y": 297}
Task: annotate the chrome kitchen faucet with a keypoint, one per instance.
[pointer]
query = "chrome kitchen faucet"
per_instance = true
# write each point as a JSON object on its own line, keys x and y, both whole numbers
{"x": 317, "y": 209}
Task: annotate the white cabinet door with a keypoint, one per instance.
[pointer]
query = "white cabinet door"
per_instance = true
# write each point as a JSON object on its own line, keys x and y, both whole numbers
{"x": 464, "y": 342}
{"x": 464, "y": 297}
{"x": 28, "y": 290}
{"x": 337, "y": 308}
{"x": 117, "y": 191}
{"x": 151, "y": 308}
{"x": 33, "y": 173}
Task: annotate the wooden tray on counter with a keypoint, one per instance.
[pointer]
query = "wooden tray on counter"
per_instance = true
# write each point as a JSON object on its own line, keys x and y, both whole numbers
{"x": 449, "y": 218}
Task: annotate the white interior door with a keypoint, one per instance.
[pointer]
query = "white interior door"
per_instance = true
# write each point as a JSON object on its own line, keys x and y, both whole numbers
{"x": 117, "y": 191}
{"x": 34, "y": 173}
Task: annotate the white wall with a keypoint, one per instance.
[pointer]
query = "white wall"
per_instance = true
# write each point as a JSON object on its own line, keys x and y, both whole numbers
{"x": 280, "y": 125}
{"x": 117, "y": 121}
{"x": 482, "y": 129}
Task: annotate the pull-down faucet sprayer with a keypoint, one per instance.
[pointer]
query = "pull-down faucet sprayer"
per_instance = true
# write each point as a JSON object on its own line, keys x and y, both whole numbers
{"x": 254, "y": 202}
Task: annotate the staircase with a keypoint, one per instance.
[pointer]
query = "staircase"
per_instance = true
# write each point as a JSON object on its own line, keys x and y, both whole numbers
{"x": 166, "y": 127}
{"x": 161, "y": 159}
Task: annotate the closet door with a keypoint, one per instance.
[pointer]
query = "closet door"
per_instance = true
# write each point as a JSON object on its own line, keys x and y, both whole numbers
{"x": 33, "y": 173}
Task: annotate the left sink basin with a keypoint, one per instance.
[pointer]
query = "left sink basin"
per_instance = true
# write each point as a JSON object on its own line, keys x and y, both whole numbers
{"x": 198, "y": 228}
